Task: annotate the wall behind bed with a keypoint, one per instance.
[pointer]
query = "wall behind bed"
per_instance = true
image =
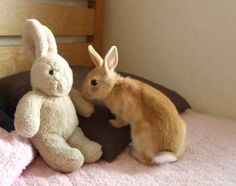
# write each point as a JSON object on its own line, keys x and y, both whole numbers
{"x": 186, "y": 45}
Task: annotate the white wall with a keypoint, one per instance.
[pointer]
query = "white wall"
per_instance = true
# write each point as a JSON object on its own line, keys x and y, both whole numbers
{"x": 186, "y": 45}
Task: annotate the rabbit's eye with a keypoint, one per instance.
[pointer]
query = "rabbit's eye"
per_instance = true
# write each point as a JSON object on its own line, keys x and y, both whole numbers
{"x": 94, "y": 82}
{"x": 51, "y": 72}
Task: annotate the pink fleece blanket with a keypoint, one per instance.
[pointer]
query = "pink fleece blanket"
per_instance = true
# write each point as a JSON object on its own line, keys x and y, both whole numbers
{"x": 209, "y": 160}
{"x": 15, "y": 154}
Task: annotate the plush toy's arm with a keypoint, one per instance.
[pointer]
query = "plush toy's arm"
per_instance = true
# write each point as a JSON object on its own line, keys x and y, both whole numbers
{"x": 82, "y": 106}
{"x": 27, "y": 115}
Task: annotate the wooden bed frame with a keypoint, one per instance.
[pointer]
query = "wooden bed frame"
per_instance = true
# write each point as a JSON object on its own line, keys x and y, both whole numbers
{"x": 63, "y": 20}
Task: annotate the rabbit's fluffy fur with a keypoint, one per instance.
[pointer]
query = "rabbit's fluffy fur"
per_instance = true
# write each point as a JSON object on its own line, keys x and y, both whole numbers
{"x": 46, "y": 115}
{"x": 157, "y": 131}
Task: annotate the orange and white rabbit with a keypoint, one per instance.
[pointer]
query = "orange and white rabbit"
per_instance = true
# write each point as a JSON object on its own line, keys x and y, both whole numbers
{"x": 158, "y": 133}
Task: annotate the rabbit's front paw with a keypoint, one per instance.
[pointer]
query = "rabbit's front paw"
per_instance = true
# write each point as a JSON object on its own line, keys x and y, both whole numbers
{"x": 90, "y": 110}
{"x": 115, "y": 123}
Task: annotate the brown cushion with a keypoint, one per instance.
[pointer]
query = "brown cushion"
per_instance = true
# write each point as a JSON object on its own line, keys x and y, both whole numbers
{"x": 6, "y": 122}
{"x": 2, "y": 106}
{"x": 96, "y": 127}
{"x": 14, "y": 87}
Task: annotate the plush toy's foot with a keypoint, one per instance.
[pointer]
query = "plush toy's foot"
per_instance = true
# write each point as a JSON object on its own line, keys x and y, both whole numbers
{"x": 91, "y": 150}
{"x": 67, "y": 161}
{"x": 58, "y": 154}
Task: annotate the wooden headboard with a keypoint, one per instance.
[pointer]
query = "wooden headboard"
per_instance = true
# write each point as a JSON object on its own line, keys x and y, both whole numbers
{"x": 65, "y": 21}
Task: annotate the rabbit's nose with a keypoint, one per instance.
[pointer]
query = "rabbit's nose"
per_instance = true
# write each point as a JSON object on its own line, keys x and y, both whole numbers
{"x": 84, "y": 93}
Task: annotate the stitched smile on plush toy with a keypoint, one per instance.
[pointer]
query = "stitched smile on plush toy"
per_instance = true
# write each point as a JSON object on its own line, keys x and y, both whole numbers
{"x": 59, "y": 87}
{"x": 56, "y": 86}
{"x": 56, "y": 82}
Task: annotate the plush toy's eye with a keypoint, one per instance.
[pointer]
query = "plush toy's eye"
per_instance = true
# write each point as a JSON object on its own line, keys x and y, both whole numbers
{"x": 51, "y": 72}
{"x": 94, "y": 82}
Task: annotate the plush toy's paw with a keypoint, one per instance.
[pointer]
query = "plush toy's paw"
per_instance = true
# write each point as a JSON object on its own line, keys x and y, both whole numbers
{"x": 83, "y": 107}
{"x": 27, "y": 132}
{"x": 92, "y": 152}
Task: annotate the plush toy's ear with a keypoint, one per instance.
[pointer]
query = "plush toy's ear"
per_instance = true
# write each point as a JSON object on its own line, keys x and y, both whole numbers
{"x": 52, "y": 45}
{"x": 34, "y": 39}
{"x": 96, "y": 58}
{"x": 111, "y": 59}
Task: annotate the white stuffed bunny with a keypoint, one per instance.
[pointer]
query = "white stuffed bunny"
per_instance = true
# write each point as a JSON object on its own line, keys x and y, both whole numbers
{"x": 46, "y": 115}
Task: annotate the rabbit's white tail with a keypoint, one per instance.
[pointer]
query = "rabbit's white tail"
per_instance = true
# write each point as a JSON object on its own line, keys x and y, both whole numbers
{"x": 165, "y": 157}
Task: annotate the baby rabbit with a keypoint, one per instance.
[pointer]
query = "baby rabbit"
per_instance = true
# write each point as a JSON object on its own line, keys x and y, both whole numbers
{"x": 157, "y": 131}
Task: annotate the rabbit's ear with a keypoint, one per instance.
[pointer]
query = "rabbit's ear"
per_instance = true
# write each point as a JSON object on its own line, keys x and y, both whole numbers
{"x": 96, "y": 58}
{"x": 52, "y": 45}
{"x": 111, "y": 59}
{"x": 34, "y": 39}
